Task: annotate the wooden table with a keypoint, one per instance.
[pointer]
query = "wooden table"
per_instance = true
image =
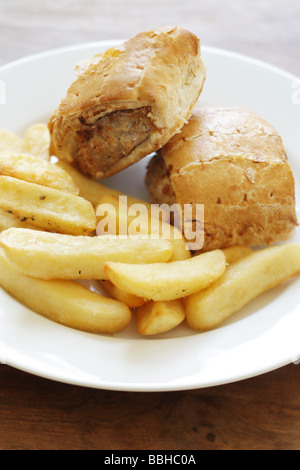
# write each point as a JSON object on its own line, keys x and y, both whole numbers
{"x": 258, "y": 413}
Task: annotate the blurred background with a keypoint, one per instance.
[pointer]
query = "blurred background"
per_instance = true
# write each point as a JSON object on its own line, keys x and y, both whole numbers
{"x": 265, "y": 29}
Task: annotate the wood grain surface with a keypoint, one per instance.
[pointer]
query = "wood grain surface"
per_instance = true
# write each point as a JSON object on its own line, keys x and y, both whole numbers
{"x": 265, "y": 29}
{"x": 255, "y": 414}
{"x": 262, "y": 413}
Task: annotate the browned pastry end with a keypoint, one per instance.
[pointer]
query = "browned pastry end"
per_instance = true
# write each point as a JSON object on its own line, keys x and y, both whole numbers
{"x": 128, "y": 102}
{"x": 234, "y": 163}
{"x": 158, "y": 182}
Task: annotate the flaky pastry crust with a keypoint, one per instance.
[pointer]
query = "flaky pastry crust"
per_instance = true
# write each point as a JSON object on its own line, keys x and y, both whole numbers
{"x": 234, "y": 163}
{"x": 128, "y": 102}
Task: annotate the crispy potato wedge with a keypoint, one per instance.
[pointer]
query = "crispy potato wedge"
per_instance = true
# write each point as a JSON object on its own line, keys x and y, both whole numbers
{"x": 235, "y": 253}
{"x": 124, "y": 222}
{"x": 158, "y": 317}
{"x": 10, "y": 142}
{"x": 47, "y": 208}
{"x": 111, "y": 205}
{"x": 232, "y": 253}
{"x": 8, "y": 220}
{"x": 154, "y": 318}
{"x": 88, "y": 188}
{"x": 132, "y": 301}
{"x": 65, "y": 302}
{"x": 167, "y": 281}
{"x": 56, "y": 256}
{"x": 37, "y": 141}
{"x": 242, "y": 282}
{"x": 34, "y": 170}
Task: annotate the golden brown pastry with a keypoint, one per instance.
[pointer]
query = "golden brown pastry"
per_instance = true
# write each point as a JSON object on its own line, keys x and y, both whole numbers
{"x": 234, "y": 163}
{"x": 128, "y": 102}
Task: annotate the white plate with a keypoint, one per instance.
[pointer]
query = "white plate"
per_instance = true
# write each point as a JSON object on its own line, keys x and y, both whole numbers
{"x": 262, "y": 337}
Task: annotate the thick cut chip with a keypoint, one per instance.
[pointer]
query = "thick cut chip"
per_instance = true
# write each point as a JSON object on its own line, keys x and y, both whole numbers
{"x": 235, "y": 253}
{"x": 8, "y": 220}
{"x": 56, "y": 256}
{"x": 47, "y": 208}
{"x": 242, "y": 282}
{"x": 37, "y": 141}
{"x": 139, "y": 217}
{"x": 167, "y": 281}
{"x": 88, "y": 188}
{"x": 132, "y": 301}
{"x": 34, "y": 170}
{"x": 10, "y": 142}
{"x": 154, "y": 318}
{"x": 65, "y": 302}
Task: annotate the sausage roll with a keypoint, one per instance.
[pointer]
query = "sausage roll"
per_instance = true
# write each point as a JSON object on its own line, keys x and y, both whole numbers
{"x": 234, "y": 163}
{"x": 128, "y": 102}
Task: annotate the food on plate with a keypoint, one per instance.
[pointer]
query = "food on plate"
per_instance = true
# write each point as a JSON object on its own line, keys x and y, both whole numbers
{"x": 35, "y": 170}
{"x": 242, "y": 282}
{"x": 128, "y": 102}
{"x": 65, "y": 237}
{"x": 47, "y": 208}
{"x": 167, "y": 281}
{"x": 154, "y": 318}
{"x": 91, "y": 190}
{"x": 158, "y": 181}
{"x": 94, "y": 191}
{"x": 235, "y": 253}
{"x": 65, "y": 302}
{"x": 37, "y": 141}
{"x": 115, "y": 200}
{"x": 115, "y": 216}
{"x": 9, "y": 220}
{"x": 234, "y": 163}
{"x": 56, "y": 256}
{"x": 148, "y": 221}
{"x": 10, "y": 142}
{"x": 132, "y": 301}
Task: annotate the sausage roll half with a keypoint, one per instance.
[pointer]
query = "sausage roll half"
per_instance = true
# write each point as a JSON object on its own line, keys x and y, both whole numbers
{"x": 234, "y": 162}
{"x": 128, "y": 102}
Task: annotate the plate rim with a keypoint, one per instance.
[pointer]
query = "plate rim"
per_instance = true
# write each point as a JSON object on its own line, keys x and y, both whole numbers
{"x": 116, "y": 42}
